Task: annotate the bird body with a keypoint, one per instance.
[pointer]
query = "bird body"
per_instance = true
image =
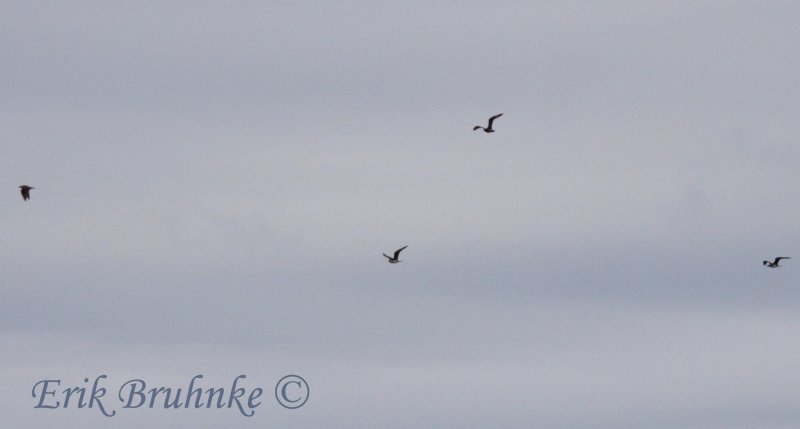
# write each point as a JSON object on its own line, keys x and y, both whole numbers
{"x": 489, "y": 128}
{"x": 396, "y": 257}
{"x": 776, "y": 263}
{"x": 25, "y": 190}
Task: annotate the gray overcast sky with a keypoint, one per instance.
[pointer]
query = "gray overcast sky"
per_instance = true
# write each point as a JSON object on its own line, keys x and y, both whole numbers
{"x": 216, "y": 184}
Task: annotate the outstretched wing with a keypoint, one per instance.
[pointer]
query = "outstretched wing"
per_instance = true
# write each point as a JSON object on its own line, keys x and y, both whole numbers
{"x": 397, "y": 252}
{"x": 491, "y": 120}
{"x": 476, "y": 127}
{"x": 781, "y": 257}
{"x": 387, "y": 256}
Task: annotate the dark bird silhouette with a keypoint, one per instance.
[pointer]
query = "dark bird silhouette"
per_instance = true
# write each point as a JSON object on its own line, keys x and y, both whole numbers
{"x": 488, "y": 129}
{"x": 776, "y": 263}
{"x": 396, "y": 258}
{"x": 25, "y": 190}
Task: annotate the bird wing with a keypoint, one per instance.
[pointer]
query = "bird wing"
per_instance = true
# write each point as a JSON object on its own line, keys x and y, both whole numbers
{"x": 491, "y": 120}
{"x": 476, "y": 127}
{"x": 25, "y": 194}
{"x": 781, "y": 257}
{"x": 387, "y": 256}
{"x": 397, "y": 252}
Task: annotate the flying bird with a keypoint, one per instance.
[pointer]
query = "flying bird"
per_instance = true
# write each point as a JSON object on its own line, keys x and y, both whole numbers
{"x": 488, "y": 129}
{"x": 776, "y": 263}
{"x": 396, "y": 258}
{"x": 25, "y": 190}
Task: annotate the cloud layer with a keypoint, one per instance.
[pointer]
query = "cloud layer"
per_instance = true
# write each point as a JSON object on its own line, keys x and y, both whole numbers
{"x": 215, "y": 185}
